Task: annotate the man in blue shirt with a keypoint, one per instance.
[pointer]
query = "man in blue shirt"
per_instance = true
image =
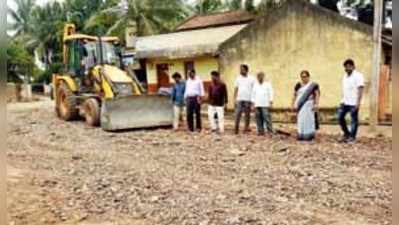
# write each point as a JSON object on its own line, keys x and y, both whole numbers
{"x": 178, "y": 99}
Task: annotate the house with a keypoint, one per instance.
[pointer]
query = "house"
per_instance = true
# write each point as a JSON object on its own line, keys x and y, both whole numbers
{"x": 193, "y": 45}
{"x": 302, "y": 36}
{"x": 297, "y": 36}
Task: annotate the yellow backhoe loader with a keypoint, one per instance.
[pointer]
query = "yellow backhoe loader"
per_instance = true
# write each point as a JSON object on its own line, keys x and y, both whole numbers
{"x": 94, "y": 85}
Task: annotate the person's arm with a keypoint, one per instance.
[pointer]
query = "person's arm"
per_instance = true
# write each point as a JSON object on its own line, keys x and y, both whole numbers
{"x": 185, "y": 90}
{"x": 235, "y": 91}
{"x": 173, "y": 96}
{"x": 202, "y": 92}
{"x": 209, "y": 93}
{"x": 360, "y": 84}
{"x": 235, "y": 94}
{"x": 317, "y": 99}
{"x": 271, "y": 92}
{"x": 359, "y": 101}
{"x": 253, "y": 97}
{"x": 226, "y": 96}
{"x": 202, "y": 89}
{"x": 293, "y": 107}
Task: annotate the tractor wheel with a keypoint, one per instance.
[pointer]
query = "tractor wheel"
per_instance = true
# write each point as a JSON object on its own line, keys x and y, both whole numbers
{"x": 66, "y": 104}
{"x": 92, "y": 112}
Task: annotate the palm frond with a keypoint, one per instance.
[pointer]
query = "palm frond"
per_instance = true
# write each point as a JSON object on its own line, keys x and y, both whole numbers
{"x": 117, "y": 26}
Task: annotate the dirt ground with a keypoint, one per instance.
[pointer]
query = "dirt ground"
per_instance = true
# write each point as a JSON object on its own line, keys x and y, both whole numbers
{"x": 68, "y": 173}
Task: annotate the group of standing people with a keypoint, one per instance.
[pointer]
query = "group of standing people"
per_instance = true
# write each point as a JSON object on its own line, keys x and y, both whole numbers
{"x": 257, "y": 94}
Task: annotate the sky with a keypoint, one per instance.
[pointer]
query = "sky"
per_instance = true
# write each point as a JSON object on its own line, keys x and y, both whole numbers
{"x": 11, "y": 3}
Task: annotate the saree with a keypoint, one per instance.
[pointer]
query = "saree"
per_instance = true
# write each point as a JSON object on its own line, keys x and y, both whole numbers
{"x": 306, "y": 118}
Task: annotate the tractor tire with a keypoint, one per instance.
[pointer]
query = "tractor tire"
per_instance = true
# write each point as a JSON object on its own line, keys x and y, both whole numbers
{"x": 66, "y": 104}
{"x": 92, "y": 111}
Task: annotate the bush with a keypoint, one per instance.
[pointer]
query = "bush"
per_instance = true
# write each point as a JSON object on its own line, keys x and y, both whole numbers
{"x": 45, "y": 76}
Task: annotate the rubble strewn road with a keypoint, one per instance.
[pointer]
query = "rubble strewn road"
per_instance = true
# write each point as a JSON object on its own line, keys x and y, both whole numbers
{"x": 67, "y": 173}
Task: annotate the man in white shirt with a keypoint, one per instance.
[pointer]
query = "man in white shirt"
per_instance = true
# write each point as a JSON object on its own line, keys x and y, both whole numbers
{"x": 242, "y": 96}
{"x": 262, "y": 100}
{"x": 353, "y": 86}
{"x": 193, "y": 94}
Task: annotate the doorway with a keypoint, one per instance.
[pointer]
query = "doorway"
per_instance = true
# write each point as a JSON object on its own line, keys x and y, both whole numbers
{"x": 188, "y": 66}
{"x": 163, "y": 76}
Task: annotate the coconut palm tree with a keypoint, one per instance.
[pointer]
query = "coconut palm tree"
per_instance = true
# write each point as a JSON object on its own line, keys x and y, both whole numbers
{"x": 234, "y": 4}
{"x": 202, "y": 7}
{"x": 146, "y": 16}
{"x": 46, "y": 38}
{"x": 21, "y": 17}
{"x": 78, "y": 11}
{"x": 248, "y": 5}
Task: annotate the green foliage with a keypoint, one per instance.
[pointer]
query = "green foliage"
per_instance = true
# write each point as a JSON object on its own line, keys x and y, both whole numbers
{"x": 49, "y": 21}
{"x": 45, "y": 76}
{"x": 79, "y": 12}
{"x": 146, "y": 16}
{"x": 19, "y": 61}
{"x": 21, "y": 17}
{"x": 250, "y": 5}
{"x": 202, "y": 7}
{"x": 234, "y": 4}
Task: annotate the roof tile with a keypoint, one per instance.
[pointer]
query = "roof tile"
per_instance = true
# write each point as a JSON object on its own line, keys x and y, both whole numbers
{"x": 216, "y": 20}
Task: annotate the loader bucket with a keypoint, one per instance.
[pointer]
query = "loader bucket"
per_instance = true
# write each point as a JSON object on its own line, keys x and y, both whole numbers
{"x": 143, "y": 111}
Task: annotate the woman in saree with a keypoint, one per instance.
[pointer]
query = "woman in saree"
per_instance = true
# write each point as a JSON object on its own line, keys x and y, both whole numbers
{"x": 305, "y": 103}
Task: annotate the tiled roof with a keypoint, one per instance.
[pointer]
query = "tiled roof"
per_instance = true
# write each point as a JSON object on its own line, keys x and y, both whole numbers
{"x": 217, "y": 19}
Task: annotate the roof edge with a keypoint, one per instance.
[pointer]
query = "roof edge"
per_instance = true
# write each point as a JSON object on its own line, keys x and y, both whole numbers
{"x": 209, "y": 14}
{"x": 216, "y": 25}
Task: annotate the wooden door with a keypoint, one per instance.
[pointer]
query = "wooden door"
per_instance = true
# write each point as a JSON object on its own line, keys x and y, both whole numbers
{"x": 188, "y": 66}
{"x": 385, "y": 94}
{"x": 163, "y": 75}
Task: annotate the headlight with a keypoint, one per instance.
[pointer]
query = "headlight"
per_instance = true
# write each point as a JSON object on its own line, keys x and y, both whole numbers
{"x": 124, "y": 89}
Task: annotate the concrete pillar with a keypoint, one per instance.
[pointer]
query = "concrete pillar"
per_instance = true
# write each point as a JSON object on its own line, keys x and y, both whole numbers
{"x": 26, "y": 92}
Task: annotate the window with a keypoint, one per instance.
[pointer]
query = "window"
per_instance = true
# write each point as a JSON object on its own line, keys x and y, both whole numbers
{"x": 74, "y": 58}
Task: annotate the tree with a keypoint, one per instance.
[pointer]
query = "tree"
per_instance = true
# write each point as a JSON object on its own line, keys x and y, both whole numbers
{"x": 78, "y": 11}
{"x": 250, "y": 5}
{"x": 46, "y": 38}
{"x": 234, "y": 4}
{"x": 203, "y": 7}
{"x": 364, "y": 9}
{"x": 19, "y": 61}
{"x": 146, "y": 16}
{"x": 21, "y": 17}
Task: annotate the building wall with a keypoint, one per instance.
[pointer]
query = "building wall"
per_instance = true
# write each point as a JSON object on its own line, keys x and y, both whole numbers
{"x": 295, "y": 38}
{"x": 203, "y": 66}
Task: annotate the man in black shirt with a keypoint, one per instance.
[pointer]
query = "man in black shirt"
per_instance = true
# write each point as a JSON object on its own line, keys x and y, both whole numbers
{"x": 217, "y": 101}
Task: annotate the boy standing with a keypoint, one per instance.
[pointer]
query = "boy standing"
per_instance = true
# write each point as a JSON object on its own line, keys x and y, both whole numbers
{"x": 217, "y": 101}
{"x": 178, "y": 99}
{"x": 262, "y": 100}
